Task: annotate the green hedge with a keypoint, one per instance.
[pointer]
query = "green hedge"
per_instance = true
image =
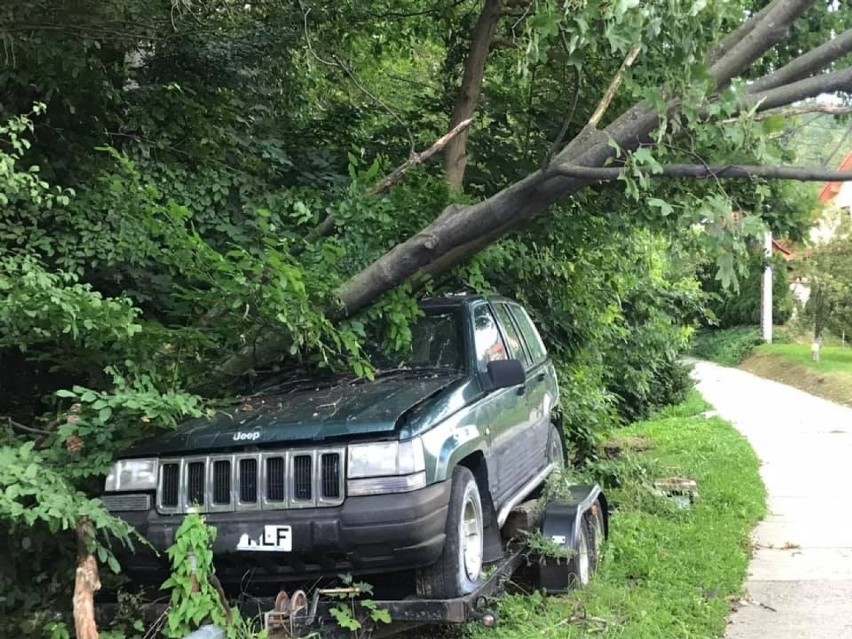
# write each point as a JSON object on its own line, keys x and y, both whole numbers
{"x": 728, "y": 346}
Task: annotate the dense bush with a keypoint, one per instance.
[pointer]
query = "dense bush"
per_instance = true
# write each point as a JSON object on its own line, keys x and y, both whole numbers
{"x": 728, "y": 346}
{"x": 740, "y": 305}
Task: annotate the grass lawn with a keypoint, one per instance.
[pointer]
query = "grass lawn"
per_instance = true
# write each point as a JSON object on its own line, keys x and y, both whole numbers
{"x": 667, "y": 573}
{"x": 792, "y": 364}
{"x": 832, "y": 359}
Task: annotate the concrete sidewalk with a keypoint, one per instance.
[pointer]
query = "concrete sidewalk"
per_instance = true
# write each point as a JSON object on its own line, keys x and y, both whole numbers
{"x": 800, "y": 579}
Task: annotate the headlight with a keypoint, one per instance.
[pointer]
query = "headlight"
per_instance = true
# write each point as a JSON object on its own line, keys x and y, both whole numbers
{"x": 381, "y": 459}
{"x": 132, "y": 474}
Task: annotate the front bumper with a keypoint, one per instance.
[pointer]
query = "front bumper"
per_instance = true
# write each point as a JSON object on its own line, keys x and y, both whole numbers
{"x": 378, "y": 533}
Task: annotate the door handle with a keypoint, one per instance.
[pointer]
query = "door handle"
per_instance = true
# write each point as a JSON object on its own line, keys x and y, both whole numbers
{"x": 540, "y": 376}
{"x": 522, "y": 389}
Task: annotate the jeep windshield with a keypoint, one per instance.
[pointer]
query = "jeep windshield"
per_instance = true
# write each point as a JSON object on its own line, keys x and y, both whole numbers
{"x": 437, "y": 346}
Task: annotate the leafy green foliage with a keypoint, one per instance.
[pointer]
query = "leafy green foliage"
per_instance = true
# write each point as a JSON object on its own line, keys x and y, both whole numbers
{"x": 194, "y": 600}
{"x": 829, "y": 273}
{"x": 726, "y": 346}
{"x": 729, "y": 307}
{"x": 359, "y": 616}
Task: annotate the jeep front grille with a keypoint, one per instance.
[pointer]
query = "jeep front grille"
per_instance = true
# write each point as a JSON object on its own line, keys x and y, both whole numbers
{"x": 273, "y": 480}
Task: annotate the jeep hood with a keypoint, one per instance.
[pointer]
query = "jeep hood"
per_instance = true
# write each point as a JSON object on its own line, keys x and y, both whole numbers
{"x": 304, "y": 414}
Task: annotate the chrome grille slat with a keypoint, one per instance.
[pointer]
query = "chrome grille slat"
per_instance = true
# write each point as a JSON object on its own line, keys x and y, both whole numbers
{"x": 302, "y": 477}
{"x": 330, "y": 469}
{"x": 195, "y": 489}
{"x": 248, "y": 481}
{"x": 274, "y": 480}
{"x": 221, "y": 482}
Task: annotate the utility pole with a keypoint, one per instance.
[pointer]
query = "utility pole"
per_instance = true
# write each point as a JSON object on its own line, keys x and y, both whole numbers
{"x": 766, "y": 305}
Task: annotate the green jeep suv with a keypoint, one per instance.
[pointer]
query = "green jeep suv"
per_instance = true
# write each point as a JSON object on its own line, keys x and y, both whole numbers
{"x": 416, "y": 470}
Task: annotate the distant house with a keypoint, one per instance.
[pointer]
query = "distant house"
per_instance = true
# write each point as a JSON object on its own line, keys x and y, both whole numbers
{"x": 836, "y": 198}
{"x": 838, "y": 194}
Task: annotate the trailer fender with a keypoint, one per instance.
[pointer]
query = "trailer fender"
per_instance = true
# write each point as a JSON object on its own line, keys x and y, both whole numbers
{"x": 561, "y": 523}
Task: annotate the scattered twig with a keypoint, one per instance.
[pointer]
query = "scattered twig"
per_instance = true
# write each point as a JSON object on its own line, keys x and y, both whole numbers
{"x": 416, "y": 159}
{"x": 419, "y": 158}
{"x": 26, "y": 429}
{"x": 614, "y": 85}
{"x": 567, "y": 122}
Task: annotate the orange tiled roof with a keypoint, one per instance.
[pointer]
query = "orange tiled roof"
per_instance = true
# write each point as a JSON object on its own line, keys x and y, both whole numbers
{"x": 831, "y": 189}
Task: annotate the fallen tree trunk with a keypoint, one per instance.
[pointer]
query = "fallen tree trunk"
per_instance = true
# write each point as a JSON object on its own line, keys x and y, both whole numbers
{"x": 458, "y": 234}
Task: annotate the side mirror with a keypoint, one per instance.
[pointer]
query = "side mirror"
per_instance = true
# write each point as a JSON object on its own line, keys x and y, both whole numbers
{"x": 505, "y": 373}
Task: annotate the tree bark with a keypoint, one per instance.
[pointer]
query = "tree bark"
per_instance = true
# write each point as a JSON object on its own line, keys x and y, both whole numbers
{"x": 735, "y": 37}
{"x": 703, "y": 172}
{"x": 772, "y": 27}
{"x": 86, "y": 584}
{"x": 455, "y": 155}
{"x": 807, "y": 64}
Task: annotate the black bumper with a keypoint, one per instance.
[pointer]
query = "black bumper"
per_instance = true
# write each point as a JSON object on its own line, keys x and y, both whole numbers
{"x": 381, "y": 533}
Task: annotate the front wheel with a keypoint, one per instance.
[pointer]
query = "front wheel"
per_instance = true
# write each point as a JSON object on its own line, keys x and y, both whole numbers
{"x": 555, "y": 448}
{"x": 459, "y": 568}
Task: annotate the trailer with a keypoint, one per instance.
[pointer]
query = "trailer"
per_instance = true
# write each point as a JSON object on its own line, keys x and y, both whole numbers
{"x": 575, "y": 526}
{"x": 578, "y": 524}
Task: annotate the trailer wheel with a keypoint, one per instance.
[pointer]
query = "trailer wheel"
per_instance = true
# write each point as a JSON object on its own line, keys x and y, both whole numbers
{"x": 598, "y": 533}
{"x": 459, "y": 568}
{"x": 581, "y": 563}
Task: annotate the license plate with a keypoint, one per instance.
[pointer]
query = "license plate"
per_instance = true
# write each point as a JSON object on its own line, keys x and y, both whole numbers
{"x": 272, "y": 539}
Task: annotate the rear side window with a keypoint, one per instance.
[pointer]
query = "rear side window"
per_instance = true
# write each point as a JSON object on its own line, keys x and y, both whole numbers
{"x": 487, "y": 341}
{"x": 530, "y": 334}
{"x": 516, "y": 344}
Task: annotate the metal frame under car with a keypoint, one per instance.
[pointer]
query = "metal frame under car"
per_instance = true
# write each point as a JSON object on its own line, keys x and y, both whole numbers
{"x": 578, "y": 522}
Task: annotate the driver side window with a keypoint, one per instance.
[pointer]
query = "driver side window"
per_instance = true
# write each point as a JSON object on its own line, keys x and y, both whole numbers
{"x": 487, "y": 340}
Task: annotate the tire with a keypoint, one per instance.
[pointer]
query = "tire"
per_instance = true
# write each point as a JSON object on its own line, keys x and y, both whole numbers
{"x": 580, "y": 565}
{"x": 598, "y": 534}
{"x": 458, "y": 570}
{"x": 556, "y": 448}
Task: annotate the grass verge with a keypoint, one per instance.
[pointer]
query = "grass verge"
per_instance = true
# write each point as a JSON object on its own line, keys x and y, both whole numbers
{"x": 791, "y": 364}
{"x": 667, "y": 572}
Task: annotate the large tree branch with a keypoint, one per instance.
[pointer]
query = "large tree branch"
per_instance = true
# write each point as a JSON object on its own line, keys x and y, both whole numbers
{"x": 455, "y": 156}
{"x": 630, "y": 130}
{"x": 782, "y": 96}
{"x": 700, "y": 172}
{"x": 807, "y": 64}
{"x": 535, "y": 193}
{"x": 793, "y": 112}
{"x": 769, "y": 30}
{"x": 735, "y": 37}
